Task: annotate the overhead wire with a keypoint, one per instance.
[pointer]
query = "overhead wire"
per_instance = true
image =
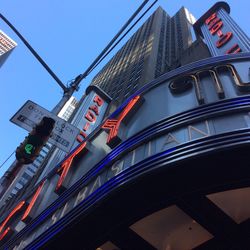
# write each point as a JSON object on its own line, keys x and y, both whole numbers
{"x": 35, "y": 54}
{"x": 99, "y": 57}
{"x": 108, "y": 52}
{"x": 7, "y": 159}
{"x": 105, "y": 52}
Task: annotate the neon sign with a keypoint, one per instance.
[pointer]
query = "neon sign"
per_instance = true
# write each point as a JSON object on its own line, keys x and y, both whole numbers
{"x": 91, "y": 115}
{"x": 32, "y": 202}
{"x": 11, "y": 214}
{"x": 64, "y": 169}
{"x": 113, "y": 124}
{"x": 215, "y": 24}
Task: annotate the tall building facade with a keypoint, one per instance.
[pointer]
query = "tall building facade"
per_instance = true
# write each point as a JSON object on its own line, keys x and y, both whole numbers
{"x": 168, "y": 169}
{"x": 155, "y": 48}
{"x": 6, "y": 46}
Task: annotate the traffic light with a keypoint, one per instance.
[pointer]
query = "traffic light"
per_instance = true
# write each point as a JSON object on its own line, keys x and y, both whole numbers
{"x": 30, "y": 148}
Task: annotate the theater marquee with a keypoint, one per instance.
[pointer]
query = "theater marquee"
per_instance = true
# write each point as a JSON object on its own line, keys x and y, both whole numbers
{"x": 187, "y": 112}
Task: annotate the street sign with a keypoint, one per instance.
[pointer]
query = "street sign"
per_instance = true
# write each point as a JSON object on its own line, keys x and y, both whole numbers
{"x": 63, "y": 135}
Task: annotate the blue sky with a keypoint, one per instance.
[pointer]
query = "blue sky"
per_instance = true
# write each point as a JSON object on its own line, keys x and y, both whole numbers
{"x": 68, "y": 35}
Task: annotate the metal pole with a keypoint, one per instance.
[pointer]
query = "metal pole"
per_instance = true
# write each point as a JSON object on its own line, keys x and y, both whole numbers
{"x": 68, "y": 91}
{"x": 16, "y": 167}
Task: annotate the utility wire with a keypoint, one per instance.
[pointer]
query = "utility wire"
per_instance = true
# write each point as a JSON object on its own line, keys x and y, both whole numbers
{"x": 74, "y": 85}
{"x": 97, "y": 61}
{"x": 83, "y": 75}
{"x": 34, "y": 53}
{"x": 7, "y": 159}
{"x": 106, "y": 54}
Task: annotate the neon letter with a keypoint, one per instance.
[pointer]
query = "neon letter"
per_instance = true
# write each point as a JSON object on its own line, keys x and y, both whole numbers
{"x": 215, "y": 27}
{"x": 86, "y": 127}
{"x": 95, "y": 109}
{"x": 224, "y": 39}
{"x": 81, "y": 136}
{"x": 98, "y": 100}
{"x": 90, "y": 117}
{"x": 66, "y": 166}
{"x": 219, "y": 33}
{"x": 213, "y": 23}
{"x": 15, "y": 210}
{"x": 113, "y": 124}
{"x": 32, "y": 202}
{"x": 213, "y": 16}
{"x": 234, "y": 50}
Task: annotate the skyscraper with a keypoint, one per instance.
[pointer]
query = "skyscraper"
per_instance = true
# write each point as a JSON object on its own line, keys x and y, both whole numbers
{"x": 155, "y": 48}
{"x": 168, "y": 169}
{"x": 6, "y": 46}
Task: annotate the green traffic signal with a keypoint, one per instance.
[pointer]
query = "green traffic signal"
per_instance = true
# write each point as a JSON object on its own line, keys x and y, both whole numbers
{"x": 30, "y": 148}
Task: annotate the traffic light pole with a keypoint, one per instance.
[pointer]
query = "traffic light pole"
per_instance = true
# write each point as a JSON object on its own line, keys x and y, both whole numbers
{"x": 15, "y": 168}
{"x": 9, "y": 176}
{"x": 74, "y": 86}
